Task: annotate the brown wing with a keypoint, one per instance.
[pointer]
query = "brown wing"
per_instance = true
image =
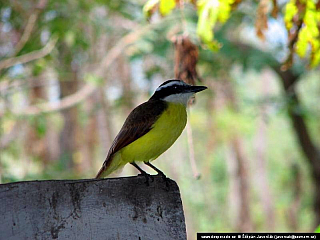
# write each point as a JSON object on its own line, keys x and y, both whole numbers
{"x": 138, "y": 123}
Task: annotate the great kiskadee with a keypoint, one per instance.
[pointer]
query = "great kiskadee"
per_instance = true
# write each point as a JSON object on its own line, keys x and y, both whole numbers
{"x": 151, "y": 128}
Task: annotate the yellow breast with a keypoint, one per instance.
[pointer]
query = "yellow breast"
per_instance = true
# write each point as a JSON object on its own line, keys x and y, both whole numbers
{"x": 164, "y": 133}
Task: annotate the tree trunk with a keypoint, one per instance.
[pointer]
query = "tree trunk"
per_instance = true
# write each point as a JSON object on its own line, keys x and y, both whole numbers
{"x": 294, "y": 207}
{"x": 244, "y": 222}
{"x": 309, "y": 148}
{"x": 260, "y": 161}
{"x": 239, "y": 187}
{"x": 68, "y": 82}
{"x": 86, "y": 137}
{"x": 311, "y": 151}
{"x": 68, "y": 133}
{"x": 241, "y": 166}
{"x": 125, "y": 78}
{"x": 34, "y": 143}
{"x": 104, "y": 119}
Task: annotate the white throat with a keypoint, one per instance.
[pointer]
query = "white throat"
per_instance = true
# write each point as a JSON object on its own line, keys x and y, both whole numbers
{"x": 182, "y": 98}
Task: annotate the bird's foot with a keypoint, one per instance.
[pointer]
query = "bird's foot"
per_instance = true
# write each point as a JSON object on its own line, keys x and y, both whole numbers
{"x": 164, "y": 178}
{"x": 160, "y": 173}
{"x": 143, "y": 173}
{"x": 147, "y": 177}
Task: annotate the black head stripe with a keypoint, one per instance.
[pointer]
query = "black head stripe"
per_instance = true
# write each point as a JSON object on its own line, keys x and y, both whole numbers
{"x": 168, "y": 81}
{"x": 168, "y": 88}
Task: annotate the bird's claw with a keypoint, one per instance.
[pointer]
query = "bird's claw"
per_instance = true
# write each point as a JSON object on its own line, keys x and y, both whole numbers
{"x": 164, "y": 178}
{"x": 147, "y": 177}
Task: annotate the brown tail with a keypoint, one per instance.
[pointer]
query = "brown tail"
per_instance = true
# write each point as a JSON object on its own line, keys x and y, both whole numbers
{"x": 105, "y": 167}
{"x": 109, "y": 166}
{"x": 102, "y": 169}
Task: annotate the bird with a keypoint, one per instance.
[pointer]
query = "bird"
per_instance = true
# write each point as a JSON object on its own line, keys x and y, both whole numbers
{"x": 151, "y": 128}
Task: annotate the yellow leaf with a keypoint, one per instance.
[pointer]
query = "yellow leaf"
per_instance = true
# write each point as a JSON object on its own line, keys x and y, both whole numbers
{"x": 224, "y": 10}
{"x": 302, "y": 43}
{"x": 166, "y": 6}
{"x": 290, "y": 11}
{"x": 208, "y": 14}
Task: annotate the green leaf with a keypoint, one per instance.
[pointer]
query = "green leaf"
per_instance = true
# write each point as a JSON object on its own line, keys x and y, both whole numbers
{"x": 38, "y": 67}
{"x": 94, "y": 79}
{"x": 317, "y": 229}
{"x": 214, "y": 45}
{"x": 70, "y": 38}
{"x": 41, "y": 126}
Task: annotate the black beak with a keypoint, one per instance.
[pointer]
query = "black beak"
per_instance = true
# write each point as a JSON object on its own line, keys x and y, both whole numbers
{"x": 196, "y": 89}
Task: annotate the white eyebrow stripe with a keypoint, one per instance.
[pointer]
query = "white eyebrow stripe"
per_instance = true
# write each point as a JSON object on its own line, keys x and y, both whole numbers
{"x": 180, "y": 83}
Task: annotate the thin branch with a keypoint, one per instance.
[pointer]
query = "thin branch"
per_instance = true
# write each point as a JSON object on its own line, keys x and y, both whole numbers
{"x": 192, "y": 160}
{"x": 6, "y": 86}
{"x": 67, "y": 102}
{"x": 119, "y": 47}
{"x": 89, "y": 88}
{"x": 30, "y": 25}
{"x": 27, "y": 32}
{"x": 28, "y": 57}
